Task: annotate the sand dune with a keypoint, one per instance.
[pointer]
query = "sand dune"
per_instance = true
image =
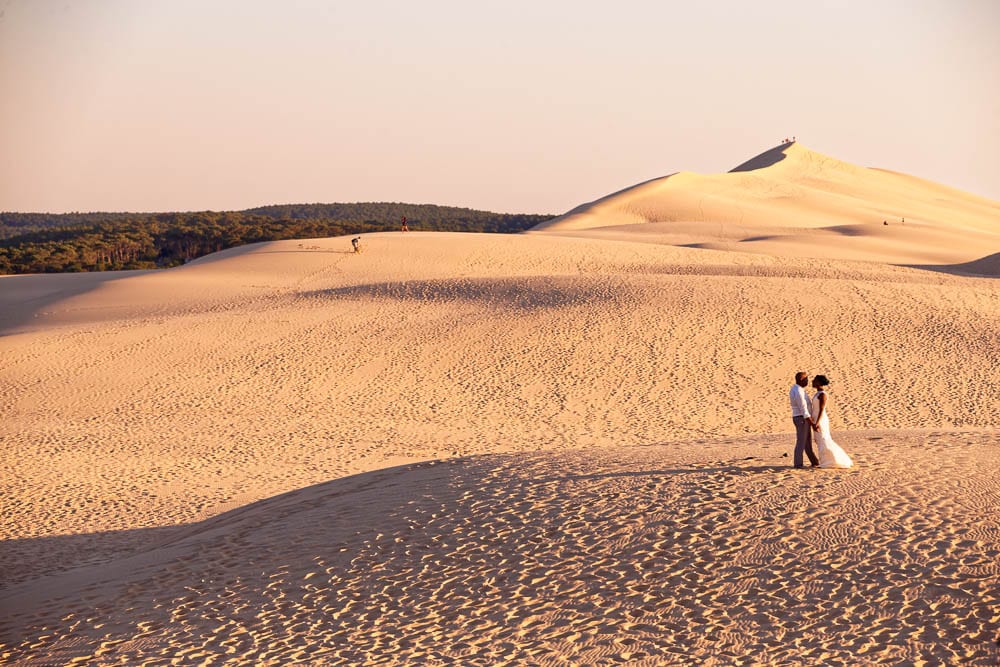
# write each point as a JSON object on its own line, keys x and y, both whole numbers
{"x": 539, "y": 449}
{"x": 792, "y": 201}
{"x": 697, "y": 553}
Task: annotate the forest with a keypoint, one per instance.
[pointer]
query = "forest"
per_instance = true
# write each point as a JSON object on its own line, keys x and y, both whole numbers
{"x": 57, "y": 243}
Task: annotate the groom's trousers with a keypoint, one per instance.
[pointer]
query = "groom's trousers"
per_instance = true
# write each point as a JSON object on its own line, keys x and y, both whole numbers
{"x": 803, "y": 442}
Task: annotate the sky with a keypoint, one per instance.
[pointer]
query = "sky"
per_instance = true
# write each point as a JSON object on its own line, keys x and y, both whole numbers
{"x": 516, "y": 106}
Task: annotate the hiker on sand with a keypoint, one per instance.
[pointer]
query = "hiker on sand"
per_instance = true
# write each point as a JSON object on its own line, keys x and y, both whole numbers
{"x": 356, "y": 242}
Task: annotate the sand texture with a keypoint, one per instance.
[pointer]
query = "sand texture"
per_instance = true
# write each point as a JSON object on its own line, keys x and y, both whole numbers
{"x": 570, "y": 446}
{"x": 698, "y": 553}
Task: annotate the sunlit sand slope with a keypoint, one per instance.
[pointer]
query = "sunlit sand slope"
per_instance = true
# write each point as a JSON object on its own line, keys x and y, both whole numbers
{"x": 139, "y": 406}
{"x": 791, "y": 201}
{"x": 166, "y": 397}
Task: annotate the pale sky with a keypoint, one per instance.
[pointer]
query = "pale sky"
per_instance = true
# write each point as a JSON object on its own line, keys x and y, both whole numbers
{"x": 514, "y": 105}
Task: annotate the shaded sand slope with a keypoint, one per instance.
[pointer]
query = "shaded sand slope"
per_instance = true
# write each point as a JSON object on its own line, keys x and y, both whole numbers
{"x": 169, "y": 397}
{"x": 23, "y": 297}
{"x": 791, "y": 201}
{"x": 710, "y": 552}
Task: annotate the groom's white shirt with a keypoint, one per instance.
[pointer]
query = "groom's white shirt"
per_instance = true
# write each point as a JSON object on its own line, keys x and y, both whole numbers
{"x": 800, "y": 402}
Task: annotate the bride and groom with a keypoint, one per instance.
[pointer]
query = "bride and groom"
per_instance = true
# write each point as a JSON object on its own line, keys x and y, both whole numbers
{"x": 813, "y": 423}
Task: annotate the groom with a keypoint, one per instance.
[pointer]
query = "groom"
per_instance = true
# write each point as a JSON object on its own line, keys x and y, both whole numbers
{"x": 802, "y": 420}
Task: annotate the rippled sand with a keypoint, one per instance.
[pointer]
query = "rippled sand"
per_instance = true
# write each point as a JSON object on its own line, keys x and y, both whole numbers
{"x": 477, "y": 449}
{"x": 689, "y": 553}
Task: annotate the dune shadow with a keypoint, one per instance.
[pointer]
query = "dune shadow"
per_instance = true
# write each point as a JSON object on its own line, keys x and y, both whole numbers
{"x": 765, "y": 159}
{"x": 984, "y": 267}
{"x": 433, "y": 481}
{"x": 847, "y": 230}
{"x": 527, "y": 293}
{"x": 114, "y": 545}
{"x": 766, "y": 237}
{"x": 57, "y": 554}
{"x": 399, "y": 522}
{"x": 24, "y": 297}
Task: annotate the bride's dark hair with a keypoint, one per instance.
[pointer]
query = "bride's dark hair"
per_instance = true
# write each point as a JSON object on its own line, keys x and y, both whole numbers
{"x": 821, "y": 380}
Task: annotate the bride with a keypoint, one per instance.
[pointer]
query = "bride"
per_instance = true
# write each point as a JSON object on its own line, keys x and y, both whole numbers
{"x": 829, "y": 452}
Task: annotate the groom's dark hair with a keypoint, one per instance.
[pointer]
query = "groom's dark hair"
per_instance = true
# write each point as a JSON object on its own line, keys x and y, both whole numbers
{"x": 800, "y": 375}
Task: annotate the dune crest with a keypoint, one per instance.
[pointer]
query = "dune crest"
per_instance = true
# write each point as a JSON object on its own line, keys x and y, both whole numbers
{"x": 793, "y": 201}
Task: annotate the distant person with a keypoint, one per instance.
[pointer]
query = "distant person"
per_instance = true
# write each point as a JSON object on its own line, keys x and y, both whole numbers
{"x": 801, "y": 417}
{"x": 356, "y": 242}
{"x": 405, "y": 227}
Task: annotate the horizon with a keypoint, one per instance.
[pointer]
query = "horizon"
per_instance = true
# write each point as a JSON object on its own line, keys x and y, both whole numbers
{"x": 272, "y": 205}
{"x": 179, "y": 107}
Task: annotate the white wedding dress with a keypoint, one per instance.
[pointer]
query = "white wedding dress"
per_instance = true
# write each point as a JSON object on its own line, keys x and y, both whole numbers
{"x": 829, "y": 452}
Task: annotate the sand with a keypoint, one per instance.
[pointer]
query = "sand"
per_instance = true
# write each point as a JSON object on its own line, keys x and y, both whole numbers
{"x": 626, "y": 555}
{"x": 793, "y": 201}
{"x": 563, "y": 447}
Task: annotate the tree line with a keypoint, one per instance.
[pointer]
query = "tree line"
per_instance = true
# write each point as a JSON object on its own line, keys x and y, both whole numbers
{"x": 57, "y": 243}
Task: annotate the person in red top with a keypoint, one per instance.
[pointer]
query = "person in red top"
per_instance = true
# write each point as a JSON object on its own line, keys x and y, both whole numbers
{"x": 405, "y": 227}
